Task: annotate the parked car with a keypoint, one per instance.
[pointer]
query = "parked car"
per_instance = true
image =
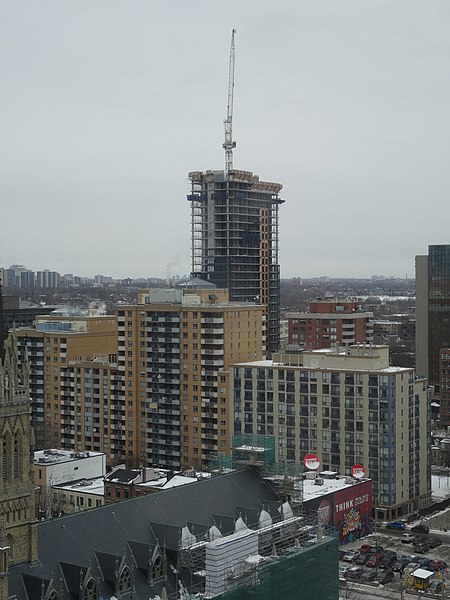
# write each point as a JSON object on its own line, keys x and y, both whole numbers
{"x": 425, "y": 562}
{"x": 400, "y": 564}
{"x": 421, "y": 548}
{"x": 350, "y": 555}
{"x": 433, "y": 542}
{"x": 437, "y": 565}
{"x": 342, "y": 553}
{"x": 354, "y": 573}
{"x": 384, "y": 576}
{"x": 343, "y": 571}
{"x": 435, "y": 587}
{"x": 407, "y": 538}
{"x": 361, "y": 559}
{"x": 420, "y": 529}
{"x": 396, "y": 525}
{"x": 388, "y": 560}
{"x": 365, "y": 549}
{"x": 368, "y": 576}
{"x": 411, "y": 566}
{"x": 374, "y": 560}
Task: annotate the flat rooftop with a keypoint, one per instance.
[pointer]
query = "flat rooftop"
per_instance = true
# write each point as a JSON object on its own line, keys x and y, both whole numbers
{"x": 53, "y": 456}
{"x": 95, "y": 487}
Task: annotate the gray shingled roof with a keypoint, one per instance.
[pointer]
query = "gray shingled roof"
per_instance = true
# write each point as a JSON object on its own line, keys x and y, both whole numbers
{"x": 92, "y": 539}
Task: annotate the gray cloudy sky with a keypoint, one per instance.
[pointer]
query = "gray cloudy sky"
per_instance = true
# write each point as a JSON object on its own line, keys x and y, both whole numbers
{"x": 106, "y": 105}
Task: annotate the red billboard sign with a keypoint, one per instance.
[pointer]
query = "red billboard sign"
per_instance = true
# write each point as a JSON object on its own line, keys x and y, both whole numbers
{"x": 358, "y": 471}
{"x": 352, "y": 504}
{"x": 311, "y": 462}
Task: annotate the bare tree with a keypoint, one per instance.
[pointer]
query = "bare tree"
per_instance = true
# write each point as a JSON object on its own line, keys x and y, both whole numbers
{"x": 51, "y": 501}
{"x": 348, "y": 591}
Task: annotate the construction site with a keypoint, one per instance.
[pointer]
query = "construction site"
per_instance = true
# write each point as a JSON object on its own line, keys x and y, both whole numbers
{"x": 234, "y": 228}
{"x": 270, "y": 552}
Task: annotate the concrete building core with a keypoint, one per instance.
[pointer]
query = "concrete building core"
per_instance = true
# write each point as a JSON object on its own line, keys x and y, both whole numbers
{"x": 234, "y": 228}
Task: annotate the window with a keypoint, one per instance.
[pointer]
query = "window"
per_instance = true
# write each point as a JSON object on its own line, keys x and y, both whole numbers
{"x": 158, "y": 566}
{"x": 16, "y": 458}
{"x": 125, "y": 580}
{"x": 91, "y": 590}
{"x": 5, "y": 461}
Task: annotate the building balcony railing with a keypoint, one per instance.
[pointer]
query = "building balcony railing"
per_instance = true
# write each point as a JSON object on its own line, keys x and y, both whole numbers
{"x": 214, "y": 363}
{"x": 215, "y": 331}
{"x": 209, "y": 352}
{"x": 211, "y": 341}
{"x": 213, "y": 320}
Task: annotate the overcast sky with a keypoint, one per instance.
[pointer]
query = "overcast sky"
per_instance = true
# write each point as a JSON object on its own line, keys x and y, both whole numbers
{"x": 106, "y": 105}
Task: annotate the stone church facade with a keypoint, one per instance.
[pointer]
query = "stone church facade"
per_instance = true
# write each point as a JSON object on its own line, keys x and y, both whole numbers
{"x": 18, "y": 526}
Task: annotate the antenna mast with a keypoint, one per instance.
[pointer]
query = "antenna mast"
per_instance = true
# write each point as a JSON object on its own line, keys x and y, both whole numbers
{"x": 228, "y": 145}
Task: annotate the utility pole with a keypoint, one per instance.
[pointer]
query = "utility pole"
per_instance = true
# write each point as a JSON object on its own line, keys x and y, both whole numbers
{"x": 228, "y": 144}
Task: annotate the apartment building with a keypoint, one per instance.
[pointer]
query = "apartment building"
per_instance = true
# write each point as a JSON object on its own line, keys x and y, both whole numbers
{"x": 50, "y": 347}
{"x": 175, "y": 347}
{"x": 348, "y": 407}
{"x": 329, "y": 322}
{"x": 92, "y": 408}
{"x": 47, "y": 279}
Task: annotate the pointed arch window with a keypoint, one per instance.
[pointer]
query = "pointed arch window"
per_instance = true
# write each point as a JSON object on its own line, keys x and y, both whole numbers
{"x": 16, "y": 458}
{"x": 91, "y": 590}
{"x": 4, "y": 461}
{"x": 125, "y": 580}
{"x": 54, "y": 596}
{"x": 158, "y": 567}
{"x": 10, "y": 542}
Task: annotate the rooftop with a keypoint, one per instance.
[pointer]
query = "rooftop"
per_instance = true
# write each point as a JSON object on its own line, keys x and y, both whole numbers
{"x": 86, "y": 486}
{"x": 54, "y": 456}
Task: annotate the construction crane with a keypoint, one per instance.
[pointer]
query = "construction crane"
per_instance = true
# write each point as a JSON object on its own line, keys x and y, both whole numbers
{"x": 228, "y": 145}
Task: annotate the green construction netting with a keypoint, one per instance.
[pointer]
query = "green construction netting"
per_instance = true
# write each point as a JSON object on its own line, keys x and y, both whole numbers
{"x": 308, "y": 575}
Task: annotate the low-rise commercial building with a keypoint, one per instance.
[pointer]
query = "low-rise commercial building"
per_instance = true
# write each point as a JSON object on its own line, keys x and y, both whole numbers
{"x": 56, "y": 470}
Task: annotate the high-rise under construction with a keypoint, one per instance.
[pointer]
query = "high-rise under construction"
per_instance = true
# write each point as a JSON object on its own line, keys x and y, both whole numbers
{"x": 234, "y": 228}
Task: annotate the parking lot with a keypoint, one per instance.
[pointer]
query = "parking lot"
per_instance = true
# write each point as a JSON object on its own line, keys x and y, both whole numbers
{"x": 391, "y": 541}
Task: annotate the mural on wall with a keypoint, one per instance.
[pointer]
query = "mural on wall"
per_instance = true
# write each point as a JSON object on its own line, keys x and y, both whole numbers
{"x": 353, "y": 512}
{"x": 348, "y": 510}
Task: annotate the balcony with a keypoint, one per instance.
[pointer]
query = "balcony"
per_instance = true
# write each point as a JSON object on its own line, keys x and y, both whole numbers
{"x": 208, "y": 352}
{"x": 211, "y": 341}
{"x": 212, "y": 331}
{"x": 211, "y": 363}
{"x": 212, "y": 320}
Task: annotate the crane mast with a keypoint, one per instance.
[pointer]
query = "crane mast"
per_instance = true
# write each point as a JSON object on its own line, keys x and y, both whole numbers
{"x": 228, "y": 145}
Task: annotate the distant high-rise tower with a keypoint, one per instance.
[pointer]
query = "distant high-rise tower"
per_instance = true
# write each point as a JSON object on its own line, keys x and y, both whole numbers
{"x": 234, "y": 228}
{"x": 432, "y": 310}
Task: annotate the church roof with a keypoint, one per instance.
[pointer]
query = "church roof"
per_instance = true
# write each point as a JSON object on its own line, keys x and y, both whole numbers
{"x": 96, "y": 541}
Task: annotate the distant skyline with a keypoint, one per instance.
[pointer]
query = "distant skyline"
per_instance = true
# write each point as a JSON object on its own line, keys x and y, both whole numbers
{"x": 181, "y": 276}
{"x": 106, "y": 106}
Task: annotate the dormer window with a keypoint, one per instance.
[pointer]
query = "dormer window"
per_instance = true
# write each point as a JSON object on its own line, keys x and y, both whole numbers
{"x": 158, "y": 567}
{"x": 91, "y": 590}
{"x": 125, "y": 581}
